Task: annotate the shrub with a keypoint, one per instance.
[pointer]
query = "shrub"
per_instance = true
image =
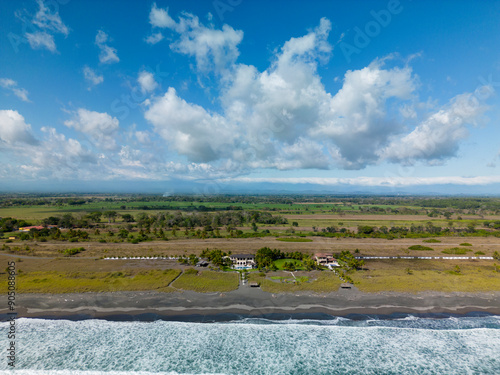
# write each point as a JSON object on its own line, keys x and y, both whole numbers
{"x": 191, "y": 271}
{"x": 455, "y": 251}
{"x": 478, "y": 253}
{"x": 431, "y": 240}
{"x": 420, "y": 247}
{"x": 465, "y": 244}
{"x": 294, "y": 239}
{"x": 73, "y": 251}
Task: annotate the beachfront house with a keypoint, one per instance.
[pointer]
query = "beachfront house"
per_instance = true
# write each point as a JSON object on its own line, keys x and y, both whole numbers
{"x": 242, "y": 261}
{"x": 326, "y": 260}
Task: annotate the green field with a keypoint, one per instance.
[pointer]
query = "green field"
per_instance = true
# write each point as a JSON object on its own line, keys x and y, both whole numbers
{"x": 80, "y": 282}
{"x": 318, "y": 282}
{"x": 280, "y": 263}
{"x": 208, "y": 281}
{"x": 397, "y": 279}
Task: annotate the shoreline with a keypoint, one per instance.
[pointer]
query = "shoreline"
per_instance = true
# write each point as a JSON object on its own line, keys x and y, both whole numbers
{"x": 249, "y": 302}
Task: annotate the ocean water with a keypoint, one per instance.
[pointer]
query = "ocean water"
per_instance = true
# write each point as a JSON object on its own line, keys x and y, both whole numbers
{"x": 408, "y": 345}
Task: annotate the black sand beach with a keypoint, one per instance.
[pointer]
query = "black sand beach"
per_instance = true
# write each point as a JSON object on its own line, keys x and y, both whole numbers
{"x": 246, "y": 301}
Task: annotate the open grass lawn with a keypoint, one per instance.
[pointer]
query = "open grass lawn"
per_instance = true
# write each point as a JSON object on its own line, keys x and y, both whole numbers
{"x": 427, "y": 276}
{"x": 79, "y": 282}
{"x": 208, "y": 281}
{"x": 316, "y": 281}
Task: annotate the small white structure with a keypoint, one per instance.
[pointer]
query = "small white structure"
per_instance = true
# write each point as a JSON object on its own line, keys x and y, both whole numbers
{"x": 242, "y": 261}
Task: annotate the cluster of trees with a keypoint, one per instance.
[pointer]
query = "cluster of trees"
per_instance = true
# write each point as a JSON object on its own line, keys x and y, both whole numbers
{"x": 412, "y": 231}
{"x": 192, "y": 259}
{"x": 495, "y": 224}
{"x": 348, "y": 262}
{"x": 217, "y": 257}
{"x": 86, "y": 221}
{"x": 265, "y": 257}
{"x": 9, "y": 224}
{"x": 209, "y": 221}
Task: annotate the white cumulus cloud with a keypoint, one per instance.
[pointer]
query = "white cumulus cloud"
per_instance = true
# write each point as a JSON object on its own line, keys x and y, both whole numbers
{"x": 14, "y": 129}
{"x": 92, "y": 77}
{"x": 101, "y": 128}
{"x": 11, "y": 85}
{"x": 154, "y": 38}
{"x": 108, "y": 54}
{"x": 41, "y": 40}
{"x": 189, "y": 129}
{"x": 438, "y": 137}
{"x": 46, "y": 23}
{"x": 213, "y": 49}
{"x": 284, "y": 118}
{"x": 147, "y": 82}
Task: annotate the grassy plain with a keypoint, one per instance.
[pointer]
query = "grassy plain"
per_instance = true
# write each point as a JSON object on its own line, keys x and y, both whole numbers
{"x": 424, "y": 275}
{"x": 318, "y": 282}
{"x": 208, "y": 281}
{"x": 80, "y": 282}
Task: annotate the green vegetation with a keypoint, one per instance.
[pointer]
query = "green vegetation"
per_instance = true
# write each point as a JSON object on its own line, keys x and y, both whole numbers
{"x": 288, "y": 264}
{"x": 348, "y": 262}
{"x": 456, "y": 251}
{"x": 207, "y": 281}
{"x": 217, "y": 257}
{"x": 79, "y": 282}
{"x": 72, "y": 251}
{"x": 150, "y": 217}
{"x": 319, "y": 282}
{"x": 420, "y": 247}
{"x": 145, "y": 225}
{"x": 294, "y": 239}
{"x": 470, "y": 279}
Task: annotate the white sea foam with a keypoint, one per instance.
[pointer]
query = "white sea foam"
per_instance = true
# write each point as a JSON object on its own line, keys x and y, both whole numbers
{"x": 256, "y": 346}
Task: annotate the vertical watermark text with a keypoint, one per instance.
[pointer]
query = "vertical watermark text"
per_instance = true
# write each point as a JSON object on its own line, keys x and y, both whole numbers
{"x": 11, "y": 297}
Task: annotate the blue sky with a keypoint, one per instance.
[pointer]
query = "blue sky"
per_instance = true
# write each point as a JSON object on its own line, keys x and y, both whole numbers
{"x": 237, "y": 93}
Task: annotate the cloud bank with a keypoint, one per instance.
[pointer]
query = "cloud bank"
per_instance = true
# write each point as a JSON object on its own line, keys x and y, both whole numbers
{"x": 280, "y": 117}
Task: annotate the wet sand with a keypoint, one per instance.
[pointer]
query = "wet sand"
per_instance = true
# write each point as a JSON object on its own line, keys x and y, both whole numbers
{"x": 247, "y": 301}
